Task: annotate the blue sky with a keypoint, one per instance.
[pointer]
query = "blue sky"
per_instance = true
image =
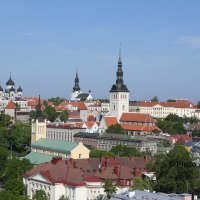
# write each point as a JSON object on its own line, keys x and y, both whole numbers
{"x": 42, "y": 43}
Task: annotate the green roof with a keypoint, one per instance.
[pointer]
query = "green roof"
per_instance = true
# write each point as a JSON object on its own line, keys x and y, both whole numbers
{"x": 37, "y": 158}
{"x": 54, "y": 145}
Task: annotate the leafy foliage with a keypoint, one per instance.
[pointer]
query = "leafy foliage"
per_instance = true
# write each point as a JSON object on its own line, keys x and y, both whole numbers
{"x": 109, "y": 188}
{"x": 63, "y": 198}
{"x": 116, "y": 129}
{"x": 196, "y": 133}
{"x": 121, "y": 150}
{"x": 154, "y": 99}
{"x": 172, "y": 124}
{"x": 141, "y": 184}
{"x": 56, "y": 100}
{"x": 50, "y": 113}
{"x": 4, "y": 120}
{"x": 20, "y": 136}
{"x": 95, "y": 153}
{"x": 40, "y": 195}
{"x": 175, "y": 172}
{"x": 64, "y": 116}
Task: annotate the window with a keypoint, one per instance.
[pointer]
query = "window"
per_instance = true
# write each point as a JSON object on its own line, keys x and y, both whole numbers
{"x": 79, "y": 155}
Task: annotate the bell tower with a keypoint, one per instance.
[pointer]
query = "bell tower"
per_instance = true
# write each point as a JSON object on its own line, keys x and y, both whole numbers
{"x": 119, "y": 93}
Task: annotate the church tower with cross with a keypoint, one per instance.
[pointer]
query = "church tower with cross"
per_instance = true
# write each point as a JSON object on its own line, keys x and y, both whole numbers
{"x": 119, "y": 93}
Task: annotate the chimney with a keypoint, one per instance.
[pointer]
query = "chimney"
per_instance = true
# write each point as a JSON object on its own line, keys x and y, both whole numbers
{"x": 117, "y": 170}
{"x": 74, "y": 164}
{"x": 55, "y": 160}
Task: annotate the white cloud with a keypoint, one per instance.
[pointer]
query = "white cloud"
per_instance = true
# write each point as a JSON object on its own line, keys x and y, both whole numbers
{"x": 191, "y": 41}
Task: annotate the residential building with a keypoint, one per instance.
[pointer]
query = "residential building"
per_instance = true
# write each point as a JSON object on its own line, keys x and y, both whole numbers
{"x": 182, "y": 108}
{"x": 138, "y": 123}
{"x": 106, "y": 122}
{"x": 83, "y": 179}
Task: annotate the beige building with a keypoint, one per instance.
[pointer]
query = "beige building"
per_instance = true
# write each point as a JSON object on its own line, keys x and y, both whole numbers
{"x": 44, "y": 150}
{"x": 182, "y": 108}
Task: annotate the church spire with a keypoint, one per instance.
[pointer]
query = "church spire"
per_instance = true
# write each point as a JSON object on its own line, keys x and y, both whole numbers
{"x": 39, "y": 110}
{"x": 119, "y": 86}
{"x": 76, "y": 83}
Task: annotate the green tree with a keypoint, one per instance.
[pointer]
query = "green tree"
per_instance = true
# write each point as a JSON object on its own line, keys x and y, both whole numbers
{"x": 3, "y": 160}
{"x": 15, "y": 167}
{"x": 175, "y": 171}
{"x": 172, "y": 124}
{"x": 32, "y": 115}
{"x": 196, "y": 133}
{"x": 95, "y": 153}
{"x": 110, "y": 188}
{"x": 20, "y": 136}
{"x": 5, "y": 195}
{"x": 14, "y": 185}
{"x": 198, "y": 104}
{"x": 63, "y": 198}
{"x": 56, "y": 100}
{"x": 17, "y": 106}
{"x": 154, "y": 99}
{"x": 121, "y": 150}
{"x": 50, "y": 113}
{"x": 141, "y": 184}
{"x": 40, "y": 195}
{"x": 164, "y": 143}
{"x": 4, "y": 120}
{"x": 116, "y": 129}
{"x": 64, "y": 116}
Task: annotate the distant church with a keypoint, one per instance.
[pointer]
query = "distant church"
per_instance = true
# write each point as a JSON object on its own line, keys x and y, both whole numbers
{"x": 77, "y": 94}
{"x": 119, "y": 94}
{"x": 10, "y": 92}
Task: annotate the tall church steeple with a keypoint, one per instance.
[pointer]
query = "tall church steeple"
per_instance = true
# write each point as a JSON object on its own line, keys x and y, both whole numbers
{"x": 76, "y": 89}
{"x": 119, "y": 86}
{"x": 119, "y": 93}
{"x": 76, "y": 83}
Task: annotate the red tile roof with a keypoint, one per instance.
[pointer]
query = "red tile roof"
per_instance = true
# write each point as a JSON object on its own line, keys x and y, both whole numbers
{"x": 11, "y": 105}
{"x": 136, "y": 117}
{"x": 80, "y": 105}
{"x": 131, "y": 127}
{"x": 176, "y": 104}
{"x": 110, "y": 120}
{"x": 77, "y": 172}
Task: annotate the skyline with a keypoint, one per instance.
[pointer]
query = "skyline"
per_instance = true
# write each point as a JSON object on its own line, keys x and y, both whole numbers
{"x": 160, "y": 47}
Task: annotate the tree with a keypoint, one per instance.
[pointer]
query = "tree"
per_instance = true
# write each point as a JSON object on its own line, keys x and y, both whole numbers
{"x": 5, "y": 195}
{"x": 63, "y": 198}
{"x": 4, "y": 120}
{"x": 196, "y": 133}
{"x": 154, "y": 99}
{"x": 15, "y": 167}
{"x": 121, "y": 150}
{"x": 141, "y": 184}
{"x": 32, "y": 115}
{"x": 20, "y": 136}
{"x": 64, "y": 116}
{"x": 3, "y": 159}
{"x": 50, "y": 113}
{"x": 175, "y": 171}
{"x": 95, "y": 153}
{"x": 14, "y": 185}
{"x": 56, "y": 101}
{"x": 198, "y": 104}
{"x": 116, "y": 129}
{"x": 172, "y": 124}
{"x": 40, "y": 195}
{"x": 164, "y": 143}
{"x": 110, "y": 188}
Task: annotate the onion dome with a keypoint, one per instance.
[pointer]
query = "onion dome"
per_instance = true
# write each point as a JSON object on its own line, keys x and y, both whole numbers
{"x": 12, "y": 89}
{"x": 1, "y": 89}
{"x": 10, "y": 82}
{"x": 19, "y": 89}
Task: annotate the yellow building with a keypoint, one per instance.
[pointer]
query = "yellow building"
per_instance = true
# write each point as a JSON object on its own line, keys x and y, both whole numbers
{"x": 44, "y": 149}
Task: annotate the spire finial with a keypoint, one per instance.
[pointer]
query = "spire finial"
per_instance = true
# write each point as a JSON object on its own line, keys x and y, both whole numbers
{"x": 120, "y": 45}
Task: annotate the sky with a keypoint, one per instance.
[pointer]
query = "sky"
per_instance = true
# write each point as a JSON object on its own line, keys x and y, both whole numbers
{"x": 43, "y": 43}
